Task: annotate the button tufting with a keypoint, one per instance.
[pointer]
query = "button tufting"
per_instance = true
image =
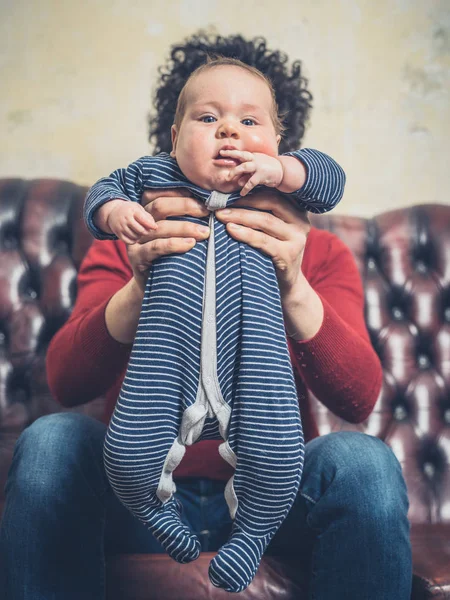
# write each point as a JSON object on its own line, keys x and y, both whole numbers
{"x": 447, "y": 314}
{"x": 371, "y": 264}
{"x": 397, "y": 313}
{"x": 31, "y": 293}
{"x": 421, "y": 267}
{"x": 429, "y": 469}
{"x": 400, "y": 413}
{"x": 2, "y": 337}
{"x": 423, "y": 361}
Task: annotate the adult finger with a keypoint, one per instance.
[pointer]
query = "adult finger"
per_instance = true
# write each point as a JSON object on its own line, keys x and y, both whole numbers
{"x": 164, "y": 207}
{"x": 143, "y": 255}
{"x": 281, "y": 206}
{"x": 150, "y": 195}
{"x": 178, "y": 229}
{"x": 261, "y": 221}
{"x": 260, "y": 240}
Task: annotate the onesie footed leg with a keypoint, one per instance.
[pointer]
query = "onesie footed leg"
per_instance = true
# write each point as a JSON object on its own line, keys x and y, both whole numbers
{"x": 156, "y": 508}
{"x": 174, "y": 536}
{"x": 236, "y": 563}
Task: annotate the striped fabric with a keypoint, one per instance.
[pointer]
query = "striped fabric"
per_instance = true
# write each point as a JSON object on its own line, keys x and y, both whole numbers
{"x": 321, "y": 192}
{"x": 210, "y": 369}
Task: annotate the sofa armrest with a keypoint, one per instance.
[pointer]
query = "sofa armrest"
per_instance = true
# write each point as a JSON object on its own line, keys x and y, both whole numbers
{"x": 431, "y": 558}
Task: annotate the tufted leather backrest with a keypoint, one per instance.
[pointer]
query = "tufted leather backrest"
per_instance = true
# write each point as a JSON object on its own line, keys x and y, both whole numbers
{"x": 404, "y": 260}
{"x": 403, "y": 257}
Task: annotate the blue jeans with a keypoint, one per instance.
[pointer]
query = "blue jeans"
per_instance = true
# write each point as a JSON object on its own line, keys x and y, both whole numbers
{"x": 348, "y": 525}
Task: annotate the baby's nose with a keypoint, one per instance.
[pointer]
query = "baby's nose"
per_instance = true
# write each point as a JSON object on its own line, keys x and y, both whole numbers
{"x": 227, "y": 130}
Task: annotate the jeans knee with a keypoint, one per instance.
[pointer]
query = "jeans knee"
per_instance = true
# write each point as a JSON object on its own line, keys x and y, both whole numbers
{"x": 365, "y": 469}
{"x": 57, "y": 434}
{"x": 379, "y": 471}
{"x": 47, "y": 450}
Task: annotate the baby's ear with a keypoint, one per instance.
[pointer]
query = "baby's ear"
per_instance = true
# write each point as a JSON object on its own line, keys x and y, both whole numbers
{"x": 174, "y": 134}
{"x": 278, "y": 139}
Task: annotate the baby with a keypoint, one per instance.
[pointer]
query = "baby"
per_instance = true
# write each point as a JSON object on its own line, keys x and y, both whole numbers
{"x": 210, "y": 358}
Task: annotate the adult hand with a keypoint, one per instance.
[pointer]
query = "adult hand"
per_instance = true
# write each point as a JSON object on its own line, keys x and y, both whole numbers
{"x": 281, "y": 235}
{"x": 171, "y": 236}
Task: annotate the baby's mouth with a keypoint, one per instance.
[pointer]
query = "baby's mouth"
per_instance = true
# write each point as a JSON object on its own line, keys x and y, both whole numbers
{"x": 226, "y": 161}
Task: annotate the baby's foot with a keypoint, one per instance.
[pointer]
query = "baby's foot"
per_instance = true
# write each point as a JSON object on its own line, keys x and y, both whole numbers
{"x": 236, "y": 563}
{"x": 173, "y": 535}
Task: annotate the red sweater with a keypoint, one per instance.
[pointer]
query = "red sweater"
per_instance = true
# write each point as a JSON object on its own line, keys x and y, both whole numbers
{"x": 338, "y": 365}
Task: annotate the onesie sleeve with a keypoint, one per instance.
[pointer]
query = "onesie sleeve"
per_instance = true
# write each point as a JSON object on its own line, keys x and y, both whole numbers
{"x": 325, "y": 181}
{"x": 123, "y": 184}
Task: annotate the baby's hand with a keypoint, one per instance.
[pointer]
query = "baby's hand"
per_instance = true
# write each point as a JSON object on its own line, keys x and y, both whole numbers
{"x": 255, "y": 169}
{"x": 128, "y": 220}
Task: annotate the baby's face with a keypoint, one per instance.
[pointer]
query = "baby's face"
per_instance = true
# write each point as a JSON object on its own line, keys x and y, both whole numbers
{"x": 227, "y": 107}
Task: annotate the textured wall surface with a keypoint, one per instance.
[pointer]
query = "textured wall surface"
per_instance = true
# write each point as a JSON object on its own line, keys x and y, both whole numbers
{"x": 77, "y": 80}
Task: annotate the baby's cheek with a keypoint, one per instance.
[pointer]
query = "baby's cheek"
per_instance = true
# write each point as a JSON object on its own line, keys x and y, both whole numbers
{"x": 264, "y": 145}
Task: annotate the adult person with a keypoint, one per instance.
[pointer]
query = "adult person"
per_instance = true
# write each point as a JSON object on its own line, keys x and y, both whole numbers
{"x": 348, "y": 525}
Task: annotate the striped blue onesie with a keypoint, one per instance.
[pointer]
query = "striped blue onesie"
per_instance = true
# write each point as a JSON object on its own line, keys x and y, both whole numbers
{"x": 210, "y": 361}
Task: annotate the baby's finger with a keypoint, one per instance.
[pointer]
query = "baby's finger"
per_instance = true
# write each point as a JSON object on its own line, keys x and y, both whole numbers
{"x": 246, "y": 167}
{"x": 239, "y": 154}
{"x": 136, "y": 229}
{"x": 129, "y": 238}
{"x": 146, "y": 220}
{"x": 133, "y": 232}
{"x": 251, "y": 183}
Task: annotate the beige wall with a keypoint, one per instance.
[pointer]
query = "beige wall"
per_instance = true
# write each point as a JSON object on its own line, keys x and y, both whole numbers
{"x": 76, "y": 81}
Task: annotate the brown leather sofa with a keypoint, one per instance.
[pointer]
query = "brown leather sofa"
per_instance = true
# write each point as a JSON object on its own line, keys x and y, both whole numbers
{"x": 404, "y": 259}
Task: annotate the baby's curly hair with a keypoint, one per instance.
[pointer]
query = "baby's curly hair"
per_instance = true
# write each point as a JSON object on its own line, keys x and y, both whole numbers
{"x": 292, "y": 96}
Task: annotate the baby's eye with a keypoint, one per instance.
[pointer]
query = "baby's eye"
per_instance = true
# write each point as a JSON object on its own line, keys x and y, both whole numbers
{"x": 248, "y": 122}
{"x": 208, "y": 119}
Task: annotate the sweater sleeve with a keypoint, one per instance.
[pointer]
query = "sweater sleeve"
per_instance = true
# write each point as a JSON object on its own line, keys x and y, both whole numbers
{"x": 338, "y": 365}
{"x": 325, "y": 181}
{"x": 123, "y": 184}
{"x": 83, "y": 360}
